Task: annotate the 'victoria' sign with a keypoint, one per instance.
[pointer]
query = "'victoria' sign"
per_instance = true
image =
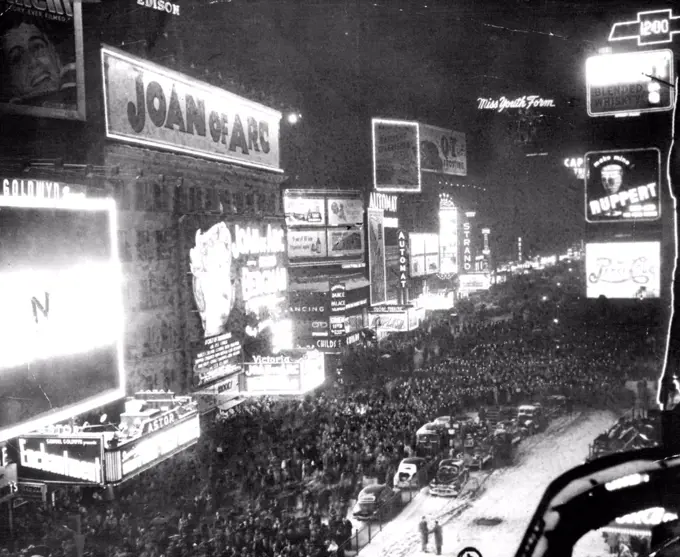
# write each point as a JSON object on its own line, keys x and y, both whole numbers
{"x": 150, "y": 105}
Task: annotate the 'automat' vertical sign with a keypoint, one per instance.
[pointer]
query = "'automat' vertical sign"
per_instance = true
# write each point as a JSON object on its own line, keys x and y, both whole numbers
{"x": 404, "y": 265}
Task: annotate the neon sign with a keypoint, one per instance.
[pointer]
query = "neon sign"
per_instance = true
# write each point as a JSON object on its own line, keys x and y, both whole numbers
{"x": 652, "y": 27}
{"x": 503, "y": 103}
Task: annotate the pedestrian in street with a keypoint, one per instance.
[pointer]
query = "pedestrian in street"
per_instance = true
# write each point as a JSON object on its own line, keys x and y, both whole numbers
{"x": 424, "y": 534}
{"x": 437, "y": 531}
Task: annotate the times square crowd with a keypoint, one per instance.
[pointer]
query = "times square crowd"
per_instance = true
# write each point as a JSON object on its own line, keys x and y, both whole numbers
{"x": 277, "y": 479}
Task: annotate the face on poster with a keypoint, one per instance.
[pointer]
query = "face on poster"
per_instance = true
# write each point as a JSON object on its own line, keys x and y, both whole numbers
{"x": 623, "y": 270}
{"x": 41, "y": 60}
{"x": 396, "y": 156}
{"x": 623, "y": 185}
{"x": 345, "y": 212}
{"x": 60, "y": 299}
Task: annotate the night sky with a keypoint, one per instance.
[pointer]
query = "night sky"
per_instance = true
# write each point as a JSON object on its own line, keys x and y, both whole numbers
{"x": 339, "y": 63}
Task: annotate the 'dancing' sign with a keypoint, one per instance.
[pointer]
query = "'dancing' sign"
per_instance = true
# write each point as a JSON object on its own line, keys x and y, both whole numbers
{"x": 503, "y": 103}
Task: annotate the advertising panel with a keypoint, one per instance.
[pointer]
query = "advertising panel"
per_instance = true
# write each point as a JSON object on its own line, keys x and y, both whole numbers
{"x": 239, "y": 269}
{"x": 623, "y": 270}
{"x": 51, "y": 83}
{"x": 345, "y": 242}
{"x": 376, "y": 257}
{"x": 442, "y": 151}
{"x": 448, "y": 239}
{"x": 308, "y": 305}
{"x": 396, "y": 156}
{"x": 431, "y": 264}
{"x": 471, "y": 283}
{"x": 285, "y": 374}
{"x": 424, "y": 254}
{"x": 146, "y": 104}
{"x": 219, "y": 357}
{"x": 623, "y": 185}
{"x": 345, "y": 212}
{"x": 143, "y": 453}
{"x": 417, "y": 267}
{"x": 630, "y": 82}
{"x": 304, "y": 211}
{"x": 61, "y": 330}
{"x": 62, "y": 459}
{"x": 338, "y": 298}
{"x": 307, "y": 243}
{"x": 393, "y": 319}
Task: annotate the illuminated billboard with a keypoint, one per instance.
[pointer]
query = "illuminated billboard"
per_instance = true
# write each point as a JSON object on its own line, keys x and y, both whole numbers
{"x": 61, "y": 326}
{"x": 448, "y": 235}
{"x": 376, "y": 256}
{"x": 295, "y": 373}
{"x": 631, "y": 82}
{"x": 623, "y": 270}
{"x": 76, "y": 459}
{"x": 396, "y": 156}
{"x": 623, "y": 185}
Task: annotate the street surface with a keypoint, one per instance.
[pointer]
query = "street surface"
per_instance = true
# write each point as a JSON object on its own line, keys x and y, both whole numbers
{"x": 494, "y": 519}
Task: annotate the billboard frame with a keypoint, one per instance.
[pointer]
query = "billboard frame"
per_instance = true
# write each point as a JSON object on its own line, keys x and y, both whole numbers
{"x": 403, "y": 123}
{"x": 97, "y": 401}
{"x": 638, "y": 111}
{"x": 619, "y": 151}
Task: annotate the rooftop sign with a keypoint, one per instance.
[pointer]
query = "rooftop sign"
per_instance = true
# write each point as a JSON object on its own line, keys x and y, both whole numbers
{"x": 652, "y": 27}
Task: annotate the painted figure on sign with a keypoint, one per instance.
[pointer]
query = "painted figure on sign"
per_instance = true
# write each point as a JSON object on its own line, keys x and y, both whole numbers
{"x": 211, "y": 260}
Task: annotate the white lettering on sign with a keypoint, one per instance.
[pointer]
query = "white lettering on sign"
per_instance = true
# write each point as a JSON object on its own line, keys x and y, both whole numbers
{"x": 33, "y": 188}
{"x": 403, "y": 261}
{"x": 61, "y": 464}
{"x": 527, "y": 101}
{"x": 307, "y": 309}
{"x": 160, "y": 422}
{"x": 639, "y": 271}
{"x": 633, "y": 196}
{"x": 4, "y": 457}
{"x": 467, "y": 254}
{"x": 328, "y": 343}
{"x": 248, "y": 240}
{"x": 383, "y": 201}
{"x": 160, "y": 5}
{"x": 263, "y": 282}
{"x": 148, "y": 450}
{"x": 273, "y": 360}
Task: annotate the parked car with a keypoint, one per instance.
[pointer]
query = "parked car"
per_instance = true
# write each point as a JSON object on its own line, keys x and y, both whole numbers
{"x": 375, "y": 502}
{"x": 451, "y": 477}
{"x": 411, "y": 473}
{"x": 532, "y": 417}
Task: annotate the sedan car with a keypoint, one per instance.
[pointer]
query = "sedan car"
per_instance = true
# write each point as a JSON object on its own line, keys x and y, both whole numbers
{"x": 374, "y": 502}
{"x": 452, "y": 475}
{"x": 411, "y": 473}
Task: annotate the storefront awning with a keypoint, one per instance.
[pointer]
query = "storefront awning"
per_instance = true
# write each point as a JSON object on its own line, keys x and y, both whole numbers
{"x": 324, "y": 285}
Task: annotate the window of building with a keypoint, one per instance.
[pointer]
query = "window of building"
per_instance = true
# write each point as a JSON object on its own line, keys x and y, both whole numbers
{"x": 143, "y": 241}
{"x": 161, "y": 247}
{"x": 250, "y": 202}
{"x": 239, "y": 202}
{"x": 192, "y": 199}
{"x": 124, "y": 247}
{"x": 158, "y": 200}
{"x": 139, "y": 197}
{"x": 126, "y": 197}
{"x": 226, "y": 200}
{"x": 262, "y": 202}
{"x": 200, "y": 199}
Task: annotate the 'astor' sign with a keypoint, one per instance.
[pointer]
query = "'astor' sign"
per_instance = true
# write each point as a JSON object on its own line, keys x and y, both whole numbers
{"x": 150, "y": 105}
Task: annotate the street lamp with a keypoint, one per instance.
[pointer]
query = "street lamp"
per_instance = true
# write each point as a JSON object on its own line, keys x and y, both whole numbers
{"x": 293, "y": 118}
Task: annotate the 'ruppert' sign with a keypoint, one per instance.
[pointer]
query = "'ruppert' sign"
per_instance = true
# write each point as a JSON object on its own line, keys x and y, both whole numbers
{"x": 149, "y": 105}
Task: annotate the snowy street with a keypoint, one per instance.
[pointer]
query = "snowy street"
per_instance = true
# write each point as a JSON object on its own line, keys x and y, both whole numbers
{"x": 495, "y": 520}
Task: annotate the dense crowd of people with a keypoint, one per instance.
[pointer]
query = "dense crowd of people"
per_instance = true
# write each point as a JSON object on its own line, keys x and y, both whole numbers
{"x": 276, "y": 480}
